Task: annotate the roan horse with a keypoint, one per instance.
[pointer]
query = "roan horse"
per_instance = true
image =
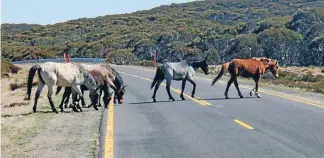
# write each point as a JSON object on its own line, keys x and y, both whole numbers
{"x": 179, "y": 71}
{"x": 117, "y": 84}
{"x": 63, "y": 75}
{"x": 101, "y": 81}
{"x": 254, "y": 68}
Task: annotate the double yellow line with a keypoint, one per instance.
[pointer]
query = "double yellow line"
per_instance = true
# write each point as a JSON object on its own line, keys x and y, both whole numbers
{"x": 201, "y": 102}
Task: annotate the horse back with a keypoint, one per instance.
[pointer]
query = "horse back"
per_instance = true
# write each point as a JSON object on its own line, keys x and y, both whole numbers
{"x": 98, "y": 77}
{"x": 246, "y": 67}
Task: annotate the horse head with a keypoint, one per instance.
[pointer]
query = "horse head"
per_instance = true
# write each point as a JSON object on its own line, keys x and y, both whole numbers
{"x": 271, "y": 64}
{"x": 204, "y": 65}
{"x": 121, "y": 92}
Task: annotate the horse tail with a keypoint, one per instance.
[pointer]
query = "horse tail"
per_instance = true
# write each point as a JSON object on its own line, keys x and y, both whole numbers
{"x": 58, "y": 89}
{"x": 31, "y": 75}
{"x": 224, "y": 66}
{"x": 158, "y": 75}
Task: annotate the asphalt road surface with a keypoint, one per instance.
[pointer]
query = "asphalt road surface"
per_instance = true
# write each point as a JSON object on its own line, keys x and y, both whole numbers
{"x": 209, "y": 126}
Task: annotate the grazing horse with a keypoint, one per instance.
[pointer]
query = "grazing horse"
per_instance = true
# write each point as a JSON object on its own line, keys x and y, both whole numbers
{"x": 101, "y": 81}
{"x": 119, "y": 83}
{"x": 112, "y": 78}
{"x": 254, "y": 68}
{"x": 63, "y": 75}
{"x": 179, "y": 71}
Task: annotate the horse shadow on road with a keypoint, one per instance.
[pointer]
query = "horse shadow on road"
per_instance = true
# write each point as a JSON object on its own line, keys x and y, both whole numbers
{"x": 151, "y": 102}
{"x": 227, "y": 99}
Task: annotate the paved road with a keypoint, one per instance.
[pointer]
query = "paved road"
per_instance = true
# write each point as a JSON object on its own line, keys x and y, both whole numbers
{"x": 250, "y": 127}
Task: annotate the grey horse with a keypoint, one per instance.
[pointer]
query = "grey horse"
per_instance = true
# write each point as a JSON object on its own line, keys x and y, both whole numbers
{"x": 179, "y": 71}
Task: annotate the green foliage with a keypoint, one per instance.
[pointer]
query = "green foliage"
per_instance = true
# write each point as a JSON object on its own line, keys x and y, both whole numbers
{"x": 188, "y": 28}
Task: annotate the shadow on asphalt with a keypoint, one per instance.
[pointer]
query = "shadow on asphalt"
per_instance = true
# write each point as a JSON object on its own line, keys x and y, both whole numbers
{"x": 151, "y": 102}
{"x": 227, "y": 99}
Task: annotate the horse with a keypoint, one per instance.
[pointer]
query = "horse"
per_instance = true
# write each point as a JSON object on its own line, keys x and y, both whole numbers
{"x": 254, "y": 67}
{"x": 63, "y": 75}
{"x": 117, "y": 84}
{"x": 120, "y": 85}
{"x": 101, "y": 81}
{"x": 179, "y": 71}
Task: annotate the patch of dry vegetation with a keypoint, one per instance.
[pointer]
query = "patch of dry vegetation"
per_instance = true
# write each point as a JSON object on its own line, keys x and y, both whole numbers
{"x": 7, "y": 67}
{"x": 309, "y": 78}
{"x": 18, "y": 123}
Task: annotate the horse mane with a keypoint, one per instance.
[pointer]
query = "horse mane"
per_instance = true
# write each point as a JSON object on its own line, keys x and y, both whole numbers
{"x": 85, "y": 73}
{"x": 118, "y": 79}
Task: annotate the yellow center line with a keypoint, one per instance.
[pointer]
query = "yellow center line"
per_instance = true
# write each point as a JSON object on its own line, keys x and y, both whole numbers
{"x": 109, "y": 138}
{"x": 163, "y": 84}
{"x": 244, "y": 124}
{"x": 197, "y": 100}
{"x": 263, "y": 91}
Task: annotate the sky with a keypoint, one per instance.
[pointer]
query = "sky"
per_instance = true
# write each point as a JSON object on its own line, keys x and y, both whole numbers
{"x": 53, "y": 11}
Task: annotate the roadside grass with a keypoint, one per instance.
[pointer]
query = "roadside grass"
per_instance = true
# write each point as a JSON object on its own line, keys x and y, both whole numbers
{"x": 18, "y": 130}
{"x": 19, "y": 125}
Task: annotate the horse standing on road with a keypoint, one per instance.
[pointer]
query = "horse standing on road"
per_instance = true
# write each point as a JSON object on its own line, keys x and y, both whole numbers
{"x": 254, "y": 67}
{"x": 63, "y": 75}
{"x": 179, "y": 71}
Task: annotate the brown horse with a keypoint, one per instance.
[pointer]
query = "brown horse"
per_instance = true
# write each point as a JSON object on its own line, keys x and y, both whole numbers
{"x": 254, "y": 67}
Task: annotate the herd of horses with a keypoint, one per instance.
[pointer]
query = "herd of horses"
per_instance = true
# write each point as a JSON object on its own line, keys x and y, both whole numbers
{"x": 98, "y": 79}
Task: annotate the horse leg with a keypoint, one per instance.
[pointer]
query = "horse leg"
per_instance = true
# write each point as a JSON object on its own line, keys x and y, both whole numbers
{"x": 256, "y": 80}
{"x": 77, "y": 90}
{"x": 99, "y": 103}
{"x": 65, "y": 98}
{"x": 227, "y": 87}
{"x": 194, "y": 87}
{"x": 49, "y": 96}
{"x": 252, "y": 91}
{"x": 168, "y": 90}
{"x": 74, "y": 100}
{"x": 183, "y": 87}
{"x": 82, "y": 99}
{"x": 237, "y": 88}
{"x": 38, "y": 92}
{"x": 67, "y": 94}
{"x": 157, "y": 85}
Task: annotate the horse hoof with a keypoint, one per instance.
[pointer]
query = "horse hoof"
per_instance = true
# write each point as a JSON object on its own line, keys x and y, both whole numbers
{"x": 258, "y": 96}
{"x": 56, "y": 111}
{"x": 172, "y": 99}
{"x": 241, "y": 96}
{"x": 74, "y": 109}
{"x": 251, "y": 93}
{"x": 154, "y": 100}
{"x": 192, "y": 96}
{"x": 226, "y": 97}
{"x": 183, "y": 98}
{"x": 95, "y": 107}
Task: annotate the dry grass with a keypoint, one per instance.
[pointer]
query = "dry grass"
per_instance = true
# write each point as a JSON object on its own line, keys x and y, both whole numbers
{"x": 18, "y": 123}
{"x": 14, "y": 86}
{"x": 7, "y": 68}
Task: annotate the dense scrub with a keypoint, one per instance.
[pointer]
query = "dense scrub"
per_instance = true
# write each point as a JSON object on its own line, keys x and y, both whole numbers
{"x": 288, "y": 30}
